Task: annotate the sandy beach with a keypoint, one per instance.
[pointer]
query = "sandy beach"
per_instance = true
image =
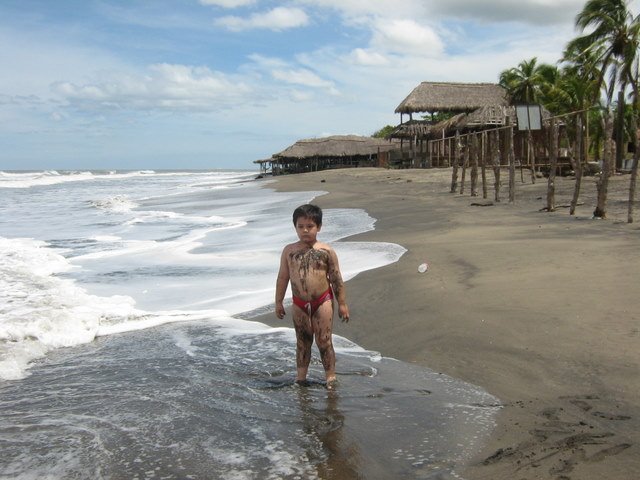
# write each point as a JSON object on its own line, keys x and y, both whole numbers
{"x": 540, "y": 309}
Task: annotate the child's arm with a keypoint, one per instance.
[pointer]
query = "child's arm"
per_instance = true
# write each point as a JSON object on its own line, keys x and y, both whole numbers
{"x": 337, "y": 284}
{"x": 281, "y": 284}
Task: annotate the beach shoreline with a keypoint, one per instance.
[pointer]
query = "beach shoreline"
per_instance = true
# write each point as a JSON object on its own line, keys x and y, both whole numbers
{"x": 540, "y": 309}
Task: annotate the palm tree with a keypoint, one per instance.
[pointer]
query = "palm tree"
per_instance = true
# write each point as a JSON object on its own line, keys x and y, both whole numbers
{"x": 613, "y": 41}
{"x": 574, "y": 91}
{"x": 528, "y": 82}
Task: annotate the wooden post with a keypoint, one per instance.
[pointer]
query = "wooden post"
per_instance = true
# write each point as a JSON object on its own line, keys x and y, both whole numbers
{"x": 424, "y": 157}
{"x": 495, "y": 160}
{"x": 454, "y": 173}
{"x": 553, "y": 162}
{"x": 483, "y": 162}
{"x": 465, "y": 163}
{"x": 474, "y": 165}
{"x": 512, "y": 161}
{"x": 412, "y": 152}
{"x": 532, "y": 156}
{"x": 578, "y": 166}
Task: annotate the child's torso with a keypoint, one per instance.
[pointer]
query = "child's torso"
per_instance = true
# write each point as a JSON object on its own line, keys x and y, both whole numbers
{"x": 308, "y": 271}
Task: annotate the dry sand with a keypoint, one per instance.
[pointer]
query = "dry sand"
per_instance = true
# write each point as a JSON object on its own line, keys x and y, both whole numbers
{"x": 540, "y": 309}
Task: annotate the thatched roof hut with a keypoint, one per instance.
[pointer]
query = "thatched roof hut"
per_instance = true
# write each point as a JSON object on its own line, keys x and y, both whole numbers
{"x": 411, "y": 129}
{"x": 440, "y": 128}
{"x": 335, "y": 146}
{"x": 452, "y": 97}
{"x": 489, "y": 116}
{"x": 337, "y": 151}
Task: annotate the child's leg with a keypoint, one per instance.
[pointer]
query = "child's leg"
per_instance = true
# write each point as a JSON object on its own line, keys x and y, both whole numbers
{"x": 304, "y": 341}
{"x": 323, "y": 326}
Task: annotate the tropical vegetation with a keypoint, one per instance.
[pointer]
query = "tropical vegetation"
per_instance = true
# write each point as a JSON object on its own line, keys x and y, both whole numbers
{"x": 599, "y": 62}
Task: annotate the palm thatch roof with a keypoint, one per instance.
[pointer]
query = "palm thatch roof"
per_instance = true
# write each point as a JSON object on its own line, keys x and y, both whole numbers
{"x": 411, "y": 129}
{"x": 335, "y": 146}
{"x": 452, "y": 97}
{"x": 490, "y": 115}
{"x": 440, "y": 128}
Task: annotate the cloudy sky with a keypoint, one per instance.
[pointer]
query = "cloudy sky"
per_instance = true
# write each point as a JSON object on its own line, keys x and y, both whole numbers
{"x": 220, "y": 83}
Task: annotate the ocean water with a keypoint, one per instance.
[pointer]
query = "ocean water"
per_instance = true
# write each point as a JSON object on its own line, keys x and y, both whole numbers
{"x": 127, "y": 348}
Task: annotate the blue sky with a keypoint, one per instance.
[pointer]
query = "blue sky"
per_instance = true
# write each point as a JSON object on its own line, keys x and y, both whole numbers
{"x": 144, "y": 84}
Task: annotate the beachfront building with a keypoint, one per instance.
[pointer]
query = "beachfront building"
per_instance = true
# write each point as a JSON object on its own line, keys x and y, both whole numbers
{"x": 443, "y": 97}
{"x": 338, "y": 151}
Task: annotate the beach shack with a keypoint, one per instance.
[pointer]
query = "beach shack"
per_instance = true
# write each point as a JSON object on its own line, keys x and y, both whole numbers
{"x": 431, "y": 97}
{"x": 337, "y": 151}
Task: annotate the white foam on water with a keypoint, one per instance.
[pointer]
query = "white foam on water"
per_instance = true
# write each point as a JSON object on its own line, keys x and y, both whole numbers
{"x": 117, "y": 204}
{"x": 356, "y": 257}
{"x": 30, "y": 179}
{"x": 145, "y": 257}
{"x": 40, "y": 311}
{"x": 35, "y": 179}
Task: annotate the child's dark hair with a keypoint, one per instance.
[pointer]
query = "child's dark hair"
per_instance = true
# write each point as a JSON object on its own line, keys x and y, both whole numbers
{"x": 308, "y": 211}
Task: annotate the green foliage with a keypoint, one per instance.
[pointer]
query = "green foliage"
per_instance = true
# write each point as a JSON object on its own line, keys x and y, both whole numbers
{"x": 599, "y": 61}
{"x": 383, "y": 132}
{"x": 529, "y": 81}
{"x": 437, "y": 117}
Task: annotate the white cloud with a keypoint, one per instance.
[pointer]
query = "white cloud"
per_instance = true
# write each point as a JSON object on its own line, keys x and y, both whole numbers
{"x": 265, "y": 62}
{"x": 228, "y": 3}
{"x": 289, "y": 73}
{"x": 164, "y": 87}
{"x": 279, "y": 18}
{"x": 365, "y": 57}
{"x": 406, "y": 37}
{"x": 355, "y": 10}
{"x": 299, "y": 96}
{"x": 537, "y": 12}
{"x": 301, "y": 77}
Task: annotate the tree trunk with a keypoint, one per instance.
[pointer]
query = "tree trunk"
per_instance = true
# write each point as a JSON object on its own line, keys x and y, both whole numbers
{"x": 553, "y": 165}
{"x": 620, "y": 131}
{"x": 634, "y": 165}
{"x": 456, "y": 158}
{"x": 607, "y": 161}
{"x": 578, "y": 166}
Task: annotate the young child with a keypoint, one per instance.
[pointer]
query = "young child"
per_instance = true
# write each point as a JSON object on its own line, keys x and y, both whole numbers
{"x": 312, "y": 268}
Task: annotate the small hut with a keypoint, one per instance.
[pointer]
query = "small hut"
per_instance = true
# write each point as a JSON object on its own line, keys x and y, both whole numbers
{"x": 451, "y": 97}
{"x": 336, "y": 151}
{"x": 527, "y": 144}
{"x": 430, "y": 97}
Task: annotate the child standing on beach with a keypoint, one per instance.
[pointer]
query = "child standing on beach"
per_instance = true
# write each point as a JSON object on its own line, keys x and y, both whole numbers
{"x": 312, "y": 268}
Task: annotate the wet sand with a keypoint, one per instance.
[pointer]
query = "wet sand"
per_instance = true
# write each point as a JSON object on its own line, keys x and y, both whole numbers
{"x": 540, "y": 309}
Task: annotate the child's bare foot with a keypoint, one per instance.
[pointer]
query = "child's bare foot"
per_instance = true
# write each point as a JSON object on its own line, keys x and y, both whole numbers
{"x": 331, "y": 383}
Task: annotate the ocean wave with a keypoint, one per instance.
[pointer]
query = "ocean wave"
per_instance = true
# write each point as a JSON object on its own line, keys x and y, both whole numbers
{"x": 29, "y": 179}
{"x": 35, "y": 179}
{"x": 115, "y": 204}
{"x": 41, "y": 311}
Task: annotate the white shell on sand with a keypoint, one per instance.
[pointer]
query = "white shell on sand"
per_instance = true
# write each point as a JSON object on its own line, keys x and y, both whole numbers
{"x": 423, "y": 267}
